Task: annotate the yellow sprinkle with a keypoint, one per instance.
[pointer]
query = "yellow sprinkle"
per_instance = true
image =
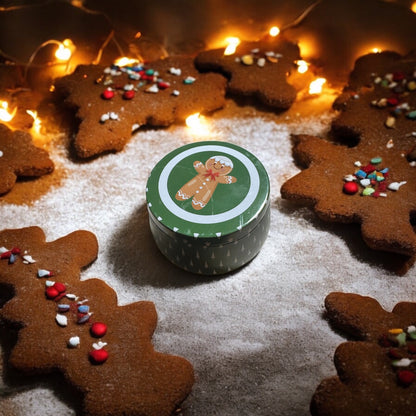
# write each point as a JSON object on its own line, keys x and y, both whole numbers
{"x": 247, "y": 60}
{"x": 395, "y": 331}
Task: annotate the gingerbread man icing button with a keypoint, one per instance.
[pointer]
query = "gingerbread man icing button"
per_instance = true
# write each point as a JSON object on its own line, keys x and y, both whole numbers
{"x": 209, "y": 208}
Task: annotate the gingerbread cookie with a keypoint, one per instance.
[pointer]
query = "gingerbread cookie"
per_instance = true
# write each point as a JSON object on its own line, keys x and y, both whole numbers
{"x": 202, "y": 186}
{"x": 379, "y": 104}
{"x": 376, "y": 373}
{"x": 76, "y": 327}
{"x": 257, "y": 69}
{"x": 19, "y": 157}
{"x": 371, "y": 185}
{"x": 114, "y": 101}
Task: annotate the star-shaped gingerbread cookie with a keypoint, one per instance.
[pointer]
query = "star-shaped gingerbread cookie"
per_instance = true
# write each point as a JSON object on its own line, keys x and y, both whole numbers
{"x": 19, "y": 157}
{"x": 371, "y": 185}
{"x": 78, "y": 329}
{"x": 256, "y": 69}
{"x": 112, "y": 102}
{"x": 376, "y": 371}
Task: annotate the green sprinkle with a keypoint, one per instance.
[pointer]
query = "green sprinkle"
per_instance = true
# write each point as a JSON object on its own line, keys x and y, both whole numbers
{"x": 411, "y": 115}
{"x": 368, "y": 191}
{"x": 401, "y": 338}
{"x": 376, "y": 160}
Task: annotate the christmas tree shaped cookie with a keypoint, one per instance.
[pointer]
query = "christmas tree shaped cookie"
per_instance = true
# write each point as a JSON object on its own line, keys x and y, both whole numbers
{"x": 77, "y": 328}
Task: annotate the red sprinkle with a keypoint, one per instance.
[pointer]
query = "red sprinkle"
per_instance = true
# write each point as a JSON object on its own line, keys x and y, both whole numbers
{"x": 128, "y": 95}
{"x": 405, "y": 377}
{"x": 393, "y": 101}
{"x": 108, "y": 94}
{"x": 350, "y": 188}
{"x": 51, "y": 292}
{"x": 398, "y": 76}
{"x": 15, "y": 250}
{"x": 394, "y": 353}
{"x": 369, "y": 168}
{"x": 6, "y": 255}
{"x": 60, "y": 287}
{"x": 98, "y": 329}
{"x": 163, "y": 85}
{"x": 98, "y": 356}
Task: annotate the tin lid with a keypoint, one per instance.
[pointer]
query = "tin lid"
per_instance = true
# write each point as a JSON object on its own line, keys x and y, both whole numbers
{"x": 207, "y": 189}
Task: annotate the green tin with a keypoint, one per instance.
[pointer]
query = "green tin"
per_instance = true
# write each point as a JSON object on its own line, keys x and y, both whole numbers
{"x": 209, "y": 207}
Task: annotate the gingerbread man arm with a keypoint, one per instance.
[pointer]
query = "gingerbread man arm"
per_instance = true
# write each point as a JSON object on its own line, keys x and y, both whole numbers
{"x": 199, "y": 166}
{"x": 226, "y": 179}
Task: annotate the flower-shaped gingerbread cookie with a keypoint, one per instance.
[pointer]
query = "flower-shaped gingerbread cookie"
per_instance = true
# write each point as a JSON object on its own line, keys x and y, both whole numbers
{"x": 376, "y": 373}
{"x": 379, "y": 104}
{"x": 256, "y": 69}
{"x": 371, "y": 185}
{"x": 77, "y": 328}
{"x": 19, "y": 157}
{"x": 112, "y": 102}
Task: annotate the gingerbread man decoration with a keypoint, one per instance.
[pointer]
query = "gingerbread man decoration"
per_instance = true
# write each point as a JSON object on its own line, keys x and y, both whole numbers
{"x": 203, "y": 185}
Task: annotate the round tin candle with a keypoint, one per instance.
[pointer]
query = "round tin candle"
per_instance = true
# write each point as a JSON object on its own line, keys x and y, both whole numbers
{"x": 209, "y": 207}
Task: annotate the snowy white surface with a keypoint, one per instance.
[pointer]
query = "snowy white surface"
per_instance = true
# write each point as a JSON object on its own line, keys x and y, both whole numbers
{"x": 257, "y": 338}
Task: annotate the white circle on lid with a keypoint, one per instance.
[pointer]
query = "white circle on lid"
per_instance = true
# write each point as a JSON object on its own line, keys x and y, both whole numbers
{"x": 215, "y": 218}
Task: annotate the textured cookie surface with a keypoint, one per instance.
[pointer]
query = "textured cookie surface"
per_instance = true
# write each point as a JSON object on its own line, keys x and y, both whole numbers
{"x": 376, "y": 371}
{"x": 19, "y": 157}
{"x": 258, "y": 69}
{"x": 113, "y": 102}
{"x": 379, "y": 104}
{"x": 76, "y": 328}
{"x": 373, "y": 186}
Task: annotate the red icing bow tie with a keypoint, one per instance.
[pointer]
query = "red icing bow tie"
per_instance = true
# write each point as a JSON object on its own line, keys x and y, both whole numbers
{"x": 211, "y": 175}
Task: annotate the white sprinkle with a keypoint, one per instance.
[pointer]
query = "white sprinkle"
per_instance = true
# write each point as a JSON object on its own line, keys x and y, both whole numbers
{"x": 128, "y": 87}
{"x": 349, "y": 178}
{"x": 43, "y": 272}
{"x": 3, "y": 250}
{"x": 175, "y": 93}
{"x": 357, "y": 163}
{"x": 28, "y": 259}
{"x": 152, "y": 89}
{"x": 49, "y": 283}
{"x": 104, "y": 117}
{"x": 383, "y": 194}
{"x": 411, "y": 328}
{"x": 365, "y": 182}
{"x": 1, "y": 153}
{"x": 394, "y": 186}
{"x": 412, "y": 163}
{"x": 255, "y": 50}
{"x": 196, "y": 235}
{"x": 390, "y": 144}
{"x": 218, "y": 234}
{"x": 74, "y": 342}
{"x": 175, "y": 229}
{"x": 403, "y": 362}
{"x": 175, "y": 71}
{"x": 261, "y": 62}
{"x": 114, "y": 116}
{"x": 159, "y": 218}
{"x": 62, "y": 320}
{"x": 99, "y": 345}
{"x": 71, "y": 296}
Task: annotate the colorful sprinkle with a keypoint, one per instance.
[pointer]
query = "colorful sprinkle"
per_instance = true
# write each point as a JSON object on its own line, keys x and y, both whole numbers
{"x": 74, "y": 342}
{"x": 98, "y": 356}
{"x": 405, "y": 377}
{"x": 350, "y": 188}
{"x": 62, "y": 320}
{"x": 98, "y": 329}
{"x": 189, "y": 80}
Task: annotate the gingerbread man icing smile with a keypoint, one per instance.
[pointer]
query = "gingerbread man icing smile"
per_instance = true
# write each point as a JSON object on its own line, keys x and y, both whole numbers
{"x": 202, "y": 186}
